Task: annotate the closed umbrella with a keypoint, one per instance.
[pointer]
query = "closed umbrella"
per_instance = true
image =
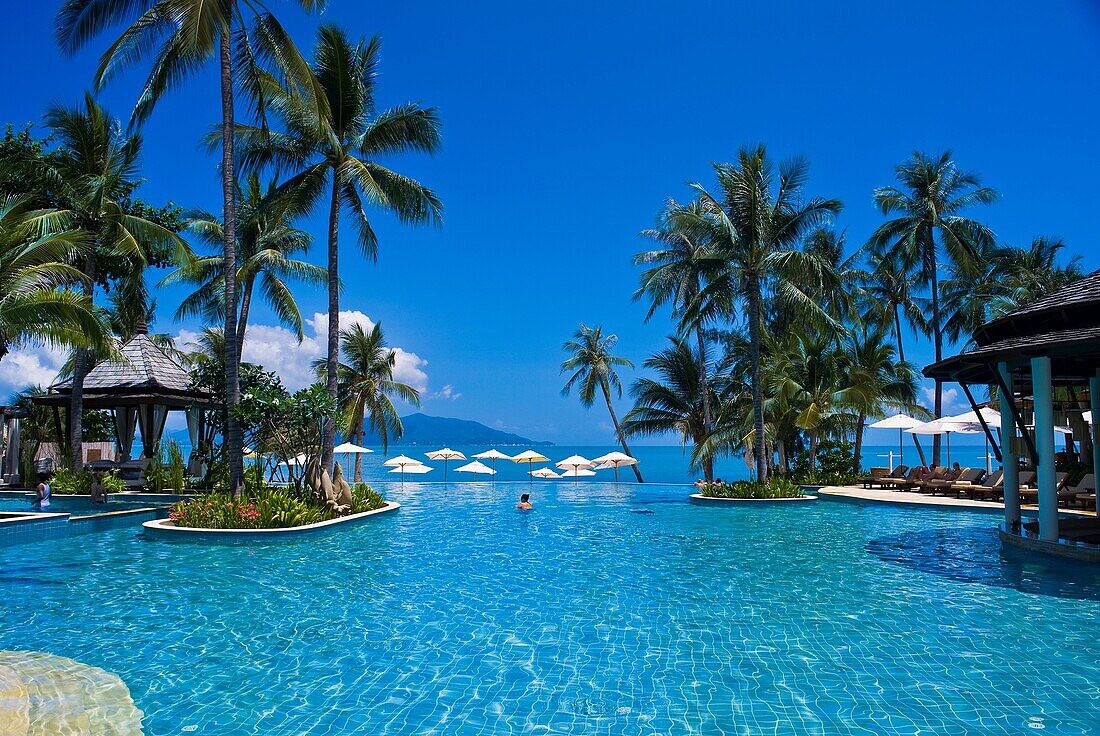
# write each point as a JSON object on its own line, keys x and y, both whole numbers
{"x": 529, "y": 457}
{"x": 615, "y": 460}
{"x": 477, "y": 468}
{"x": 445, "y": 454}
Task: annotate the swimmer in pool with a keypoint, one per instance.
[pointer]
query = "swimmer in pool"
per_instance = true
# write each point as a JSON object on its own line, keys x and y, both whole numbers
{"x": 524, "y": 502}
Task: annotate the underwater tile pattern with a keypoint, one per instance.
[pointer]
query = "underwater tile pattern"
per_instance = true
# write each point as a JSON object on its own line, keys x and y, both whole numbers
{"x": 605, "y": 611}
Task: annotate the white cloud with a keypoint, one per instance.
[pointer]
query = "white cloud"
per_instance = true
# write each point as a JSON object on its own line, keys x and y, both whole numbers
{"x": 952, "y": 404}
{"x": 27, "y": 366}
{"x": 277, "y": 349}
{"x": 447, "y": 393}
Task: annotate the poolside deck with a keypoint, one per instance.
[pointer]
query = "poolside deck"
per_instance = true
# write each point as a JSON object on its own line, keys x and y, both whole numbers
{"x": 855, "y": 494}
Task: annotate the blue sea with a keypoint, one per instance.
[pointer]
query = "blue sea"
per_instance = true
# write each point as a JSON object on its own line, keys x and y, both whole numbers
{"x": 658, "y": 464}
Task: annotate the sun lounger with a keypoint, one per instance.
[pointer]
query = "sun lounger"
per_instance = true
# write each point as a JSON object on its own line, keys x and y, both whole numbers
{"x": 876, "y": 474}
{"x": 966, "y": 477}
{"x": 1030, "y": 494}
{"x": 899, "y": 484}
{"x": 888, "y": 480}
{"x": 931, "y": 481}
{"x": 979, "y": 491}
{"x": 914, "y": 483}
{"x": 1082, "y": 492}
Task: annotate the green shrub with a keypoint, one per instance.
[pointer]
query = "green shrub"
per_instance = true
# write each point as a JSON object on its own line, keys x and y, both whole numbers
{"x": 777, "y": 486}
{"x": 823, "y": 478}
{"x": 263, "y": 508}
{"x": 112, "y": 482}
{"x": 66, "y": 482}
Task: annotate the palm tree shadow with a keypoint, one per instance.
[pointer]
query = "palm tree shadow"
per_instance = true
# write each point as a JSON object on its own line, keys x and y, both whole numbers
{"x": 974, "y": 555}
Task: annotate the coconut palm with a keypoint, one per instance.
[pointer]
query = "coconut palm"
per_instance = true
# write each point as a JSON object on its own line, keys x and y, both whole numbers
{"x": 932, "y": 193}
{"x": 94, "y": 171}
{"x": 676, "y": 273}
{"x": 592, "y": 367}
{"x": 758, "y": 217}
{"x": 36, "y": 306}
{"x": 333, "y": 138}
{"x": 367, "y": 387}
{"x": 886, "y": 298}
{"x": 673, "y": 402}
{"x": 266, "y": 245}
{"x": 182, "y": 35}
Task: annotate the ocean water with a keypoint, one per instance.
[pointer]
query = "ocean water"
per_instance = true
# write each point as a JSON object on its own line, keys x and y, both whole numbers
{"x": 607, "y": 610}
{"x": 658, "y": 464}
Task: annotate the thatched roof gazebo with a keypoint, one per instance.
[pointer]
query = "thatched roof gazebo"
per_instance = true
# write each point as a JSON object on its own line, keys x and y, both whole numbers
{"x": 139, "y": 388}
{"x": 1054, "y": 342}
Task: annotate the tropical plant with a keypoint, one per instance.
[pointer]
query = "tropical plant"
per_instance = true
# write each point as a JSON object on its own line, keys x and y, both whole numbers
{"x": 673, "y": 402}
{"x": 776, "y": 487}
{"x": 182, "y": 35}
{"x": 367, "y": 387}
{"x": 758, "y": 217}
{"x": 333, "y": 136}
{"x": 886, "y": 298}
{"x": 677, "y": 273}
{"x": 266, "y": 245}
{"x": 931, "y": 195}
{"x": 36, "y": 306}
{"x": 592, "y": 365}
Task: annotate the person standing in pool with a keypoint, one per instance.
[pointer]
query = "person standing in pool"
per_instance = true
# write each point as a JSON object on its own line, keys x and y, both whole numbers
{"x": 42, "y": 495}
{"x": 524, "y": 502}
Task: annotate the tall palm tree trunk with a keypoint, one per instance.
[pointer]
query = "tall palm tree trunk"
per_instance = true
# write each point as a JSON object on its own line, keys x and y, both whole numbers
{"x": 708, "y": 463}
{"x": 359, "y": 456}
{"x": 242, "y": 321}
{"x": 619, "y": 432}
{"x": 937, "y": 332}
{"x": 857, "y": 455}
{"x": 897, "y": 333}
{"x": 232, "y": 348}
{"x": 813, "y": 451}
{"x": 332, "y": 363}
{"x": 80, "y": 372}
{"x": 760, "y": 445}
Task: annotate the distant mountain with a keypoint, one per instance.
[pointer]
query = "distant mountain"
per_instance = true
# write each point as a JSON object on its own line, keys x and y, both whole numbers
{"x": 421, "y": 429}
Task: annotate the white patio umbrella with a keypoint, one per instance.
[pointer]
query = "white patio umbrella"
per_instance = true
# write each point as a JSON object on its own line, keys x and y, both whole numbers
{"x": 529, "y": 457}
{"x": 411, "y": 470}
{"x": 900, "y": 422}
{"x": 493, "y": 455}
{"x": 477, "y": 468}
{"x": 992, "y": 418}
{"x": 445, "y": 454}
{"x": 577, "y": 473}
{"x": 575, "y": 463}
{"x": 615, "y": 460}
{"x": 947, "y": 427}
{"x": 543, "y": 473}
{"x": 350, "y": 448}
{"x": 404, "y": 463}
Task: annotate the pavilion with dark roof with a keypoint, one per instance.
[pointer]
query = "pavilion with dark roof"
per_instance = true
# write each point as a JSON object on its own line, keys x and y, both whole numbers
{"x": 139, "y": 388}
{"x": 1046, "y": 354}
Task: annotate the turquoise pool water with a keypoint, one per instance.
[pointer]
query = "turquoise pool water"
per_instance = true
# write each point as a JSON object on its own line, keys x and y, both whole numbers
{"x": 605, "y": 611}
{"x": 75, "y": 505}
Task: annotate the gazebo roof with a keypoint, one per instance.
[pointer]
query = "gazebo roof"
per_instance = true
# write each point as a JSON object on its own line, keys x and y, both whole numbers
{"x": 143, "y": 373}
{"x": 1063, "y": 325}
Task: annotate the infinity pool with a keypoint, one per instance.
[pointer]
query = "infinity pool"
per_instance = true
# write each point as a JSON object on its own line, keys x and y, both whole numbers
{"x": 604, "y": 611}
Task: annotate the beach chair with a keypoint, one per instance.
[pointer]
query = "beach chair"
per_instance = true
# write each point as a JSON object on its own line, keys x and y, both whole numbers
{"x": 979, "y": 491}
{"x": 913, "y": 480}
{"x": 1083, "y": 492}
{"x": 888, "y": 481}
{"x": 874, "y": 477}
{"x": 966, "y": 477}
{"x": 939, "y": 473}
{"x": 1030, "y": 494}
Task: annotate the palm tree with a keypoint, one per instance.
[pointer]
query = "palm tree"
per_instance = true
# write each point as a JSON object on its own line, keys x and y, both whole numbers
{"x": 887, "y": 299}
{"x": 35, "y": 305}
{"x": 758, "y": 218}
{"x": 367, "y": 387}
{"x": 266, "y": 244}
{"x": 932, "y": 193}
{"x": 183, "y": 35}
{"x": 95, "y": 169}
{"x": 593, "y": 369}
{"x": 884, "y": 380}
{"x": 674, "y": 402}
{"x": 677, "y": 273}
{"x": 334, "y": 137}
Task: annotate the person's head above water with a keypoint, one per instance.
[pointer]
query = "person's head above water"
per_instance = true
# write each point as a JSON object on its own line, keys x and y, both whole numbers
{"x": 524, "y": 498}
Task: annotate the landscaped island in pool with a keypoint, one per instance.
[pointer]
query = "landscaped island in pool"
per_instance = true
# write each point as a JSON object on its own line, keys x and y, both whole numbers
{"x": 604, "y": 611}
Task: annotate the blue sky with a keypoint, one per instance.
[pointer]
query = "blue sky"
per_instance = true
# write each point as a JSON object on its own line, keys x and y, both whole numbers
{"x": 566, "y": 125}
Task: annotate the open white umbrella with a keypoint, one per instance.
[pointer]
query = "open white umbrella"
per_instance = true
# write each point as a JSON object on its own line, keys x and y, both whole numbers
{"x": 543, "y": 473}
{"x": 411, "y": 470}
{"x": 992, "y": 418}
{"x": 350, "y": 448}
{"x": 476, "y": 468}
{"x": 445, "y": 454}
{"x": 493, "y": 455}
{"x": 948, "y": 427}
{"x": 529, "y": 457}
{"x": 577, "y": 473}
{"x": 575, "y": 463}
{"x": 900, "y": 422}
{"x": 615, "y": 460}
{"x": 404, "y": 463}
